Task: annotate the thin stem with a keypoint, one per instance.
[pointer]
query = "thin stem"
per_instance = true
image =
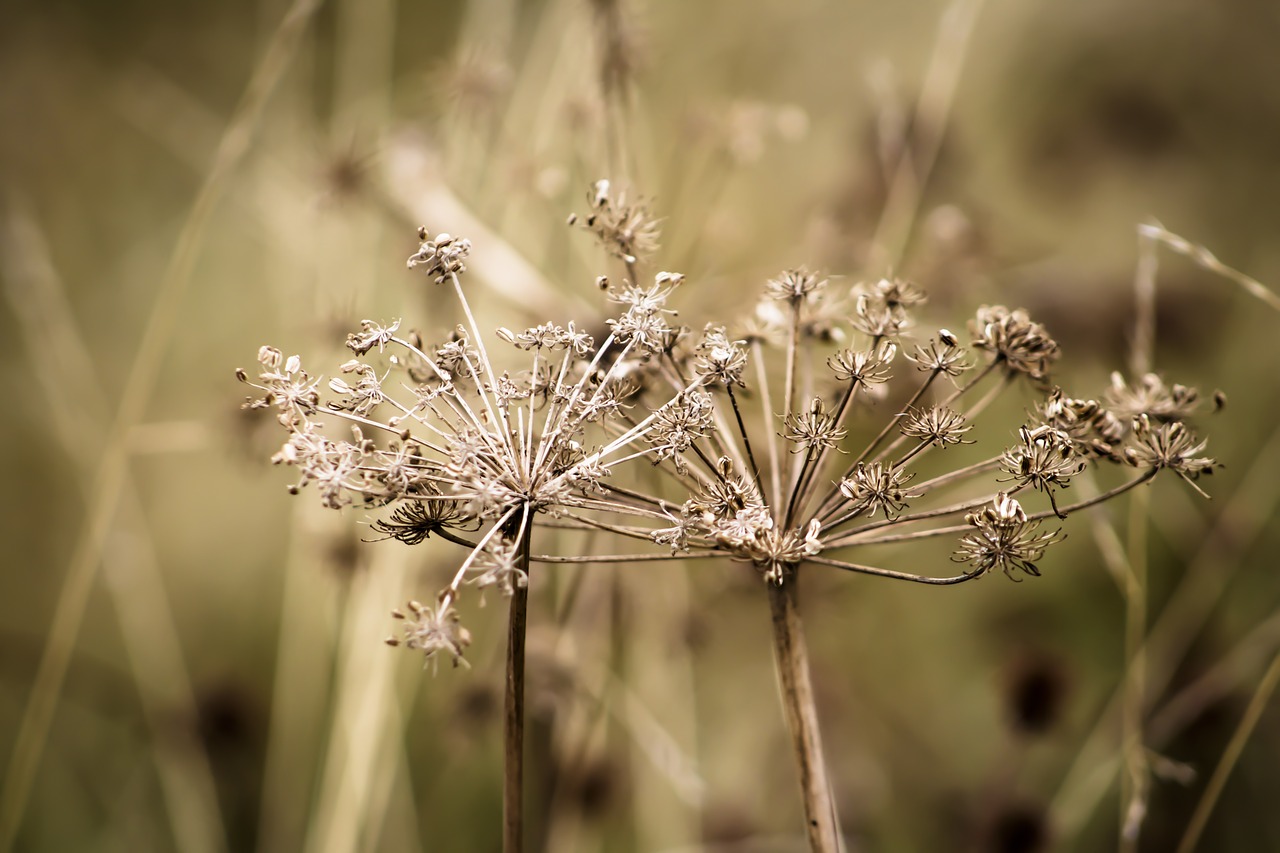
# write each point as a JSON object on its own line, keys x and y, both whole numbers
{"x": 827, "y": 506}
{"x": 502, "y": 422}
{"x": 1230, "y": 756}
{"x": 892, "y": 422}
{"x": 633, "y": 558}
{"x": 813, "y": 464}
{"x": 856, "y": 537}
{"x": 959, "y": 474}
{"x": 794, "y": 503}
{"x": 792, "y": 658}
{"x": 746, "y": 440}
{"x": 789, "y": 387}
{"x": 513, "y": 705}
{"x": 966, "y": 387}
{"x": 1135, "y": 784}
{"x": 890, "y": 573}
{"x": 766, "y": 412}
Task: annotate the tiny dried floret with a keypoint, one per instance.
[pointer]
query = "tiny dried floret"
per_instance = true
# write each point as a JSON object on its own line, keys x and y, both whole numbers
{"x": 876, "y": 486}
{"x": 795, "y": 285}
{"x": 893, "y": 293}
{"x": 644, "y": 324}
{"x": 936, "y": 425}
{"x": 549, "y": 336}
{"x": 361, "y": 398}
{"x": 456, "y": 358}
{"x": 1151, "y": 397}
{"x": 1094, "y": 431}
{"x": 1003, "y": 538}
{"x": 288, "y": 387}
{"x": 419, "y": 516}
{"x": 1044, "y": 459}
{"x": 678, "y": 424}
{"x": 1169, "y": 445}
{"x": 943, "y": 355}
{"x": 813, "y": 429}
{"x": 432, "y": 631}
{"x": 1013, "y": 338}
{"x": 724, "y": 496}
{"x": 498, "y": 565}
{"x": 371, "y": 335}
{"x": 719, "y": 359}
{"x": 626, "y": 229}
{"x": 864, "y": 367}
{"x": 441, "y": 258}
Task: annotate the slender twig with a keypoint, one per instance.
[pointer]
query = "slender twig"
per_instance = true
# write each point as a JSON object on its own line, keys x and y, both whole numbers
{"x": 796, "y": 689}
{"x": 1136, "y": 781}
{"x": 746, "y": 440}
{"x": 1230, "y": 755}
{"x": 890, "y": 573}
{"x": 1202, "y": 256}
{"x": 513, "y": 703}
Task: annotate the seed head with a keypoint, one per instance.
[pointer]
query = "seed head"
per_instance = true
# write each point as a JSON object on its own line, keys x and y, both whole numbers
{"x": 1151, "y": 397}
{"x": 719, "y": 359}
{"x": 1003, "y": 538}
{"x": 1011, "y": 336}
{"x": 795, "y": 285}
{"x": 943, "y": 355}
{"x": 1044, "y": 459}
{"x": 813, "y": 429}
{"x": 936, "y": 425}
{"x": 876, "y": 486}
{"x": 432, "y": 631}
{"x": 1169, "y": 445}
{"x": 442, "y": 257}
{"x": 864, "y": 367}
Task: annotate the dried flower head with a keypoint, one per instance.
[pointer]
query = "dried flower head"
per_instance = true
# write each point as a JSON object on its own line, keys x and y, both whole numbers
{"x": 935, "y": 425}
{"x": 1169, "y": 445}
{"x": 1004, "y": 538}
{"x": 1044, "y": 459}
{"x": 433, "y": 630}
{"x": 795, "y": 285}
{"x": 720, "y": 360}
{"x": 1021, "y": 345}
{"x": 1151, "y": 397}
{"x": 443, "y": 257}
{"x": 465, "y": 449}
{"x": 943, "y": 355}
{"x": 625, "y": 228}
{"x": 864, "y": 367}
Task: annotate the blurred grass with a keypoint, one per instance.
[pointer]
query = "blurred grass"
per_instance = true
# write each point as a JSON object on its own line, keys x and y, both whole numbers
{"x": 764, "y": 138}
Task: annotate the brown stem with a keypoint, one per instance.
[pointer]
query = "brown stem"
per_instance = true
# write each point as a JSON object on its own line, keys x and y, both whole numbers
{"x": 513, "y": 715}
{"x": 796, "y": 687}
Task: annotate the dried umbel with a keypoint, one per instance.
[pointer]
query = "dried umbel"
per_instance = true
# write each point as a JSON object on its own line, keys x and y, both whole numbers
{"x": 778, "y": 485}
{"x": 458, "y": 448}
{"x": 778, "y": 461}
{"x": 461, "y": 449}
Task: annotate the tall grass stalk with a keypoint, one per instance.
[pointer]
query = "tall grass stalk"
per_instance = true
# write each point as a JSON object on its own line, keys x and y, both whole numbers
{"x": 111, "y": 471}
{"x": 130, "y": 567}
{"x": 1230, "y": 755}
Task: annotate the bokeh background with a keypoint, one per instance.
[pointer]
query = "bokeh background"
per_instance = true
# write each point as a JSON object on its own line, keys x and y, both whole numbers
{"x": 190, "y": 659}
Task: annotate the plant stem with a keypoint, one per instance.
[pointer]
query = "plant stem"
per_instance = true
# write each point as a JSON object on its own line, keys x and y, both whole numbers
{"x": 796, "y": 687}
{"x": 513, "y": 712}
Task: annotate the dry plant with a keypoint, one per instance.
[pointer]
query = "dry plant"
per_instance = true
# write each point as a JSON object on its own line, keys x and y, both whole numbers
{"x": 757, "y": 463}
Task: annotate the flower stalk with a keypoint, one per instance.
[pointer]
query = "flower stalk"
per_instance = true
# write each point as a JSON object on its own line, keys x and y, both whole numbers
{"x": 513, "y": 711}
{"x": 795, "y": 682}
